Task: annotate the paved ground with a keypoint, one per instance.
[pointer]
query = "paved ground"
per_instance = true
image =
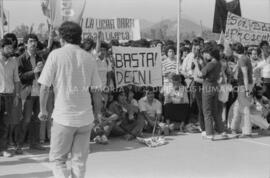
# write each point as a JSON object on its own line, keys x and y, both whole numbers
{"x": 185, "y": 156}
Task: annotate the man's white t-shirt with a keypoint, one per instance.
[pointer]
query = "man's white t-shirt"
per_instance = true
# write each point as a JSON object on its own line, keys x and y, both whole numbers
{"x": 150, "y": 109}
{"x": 71, "y": 71}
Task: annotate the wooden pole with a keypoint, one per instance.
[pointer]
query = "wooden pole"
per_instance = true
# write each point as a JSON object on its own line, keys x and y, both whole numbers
{"x": 2, "y": 18}
{"x": 178, "y": 37}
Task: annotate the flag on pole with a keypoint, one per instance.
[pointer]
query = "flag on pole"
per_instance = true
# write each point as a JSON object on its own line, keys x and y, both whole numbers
{"x": 5, "y": 21}
{"x": 59, "y": 11}
{"x": 222, "y": 7}
{"x": 1, "y": 18}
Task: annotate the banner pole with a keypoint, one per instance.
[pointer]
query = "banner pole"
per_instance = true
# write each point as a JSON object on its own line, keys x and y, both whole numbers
{"x": 2, "y": 18}
{"x": 269, "y": 11}
{"x": 178, "y": 37}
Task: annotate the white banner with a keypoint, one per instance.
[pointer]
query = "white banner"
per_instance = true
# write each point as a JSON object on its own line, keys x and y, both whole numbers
{"x": 114, "y": 28}
{"x": 137, "y": 66}
{"x": 246, "y": 31}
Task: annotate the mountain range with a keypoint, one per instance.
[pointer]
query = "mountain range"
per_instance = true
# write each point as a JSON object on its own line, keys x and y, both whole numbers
{"x": 167, "y": 29}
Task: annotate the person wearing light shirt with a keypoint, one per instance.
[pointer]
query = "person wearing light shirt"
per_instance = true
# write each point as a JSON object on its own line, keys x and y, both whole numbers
{"x": 150, "y": 108}
{"x": 176, "y": 106}
{"x": 190, "y": 71}
{"x": 245, "y": 84}
{"x": 9, "y": 86}
{"x": 169, "y": 65}
{"x": 71, "y": 71}
{"x": 187, "y": 68}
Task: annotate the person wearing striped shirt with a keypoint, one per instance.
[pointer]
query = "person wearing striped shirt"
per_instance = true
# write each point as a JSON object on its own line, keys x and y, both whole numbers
{"x": 169, "y": 67}
{"x": 170, "y": 63}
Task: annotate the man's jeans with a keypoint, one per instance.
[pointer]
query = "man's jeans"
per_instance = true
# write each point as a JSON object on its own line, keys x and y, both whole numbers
{"x": 45, "y": 126}
{"x": 210, "y": 110}
{"x": 65, "y": 140}
{"x": 198, "y": 98}
{"x": 30, "y": 121}
{"x": 6, "y": 104}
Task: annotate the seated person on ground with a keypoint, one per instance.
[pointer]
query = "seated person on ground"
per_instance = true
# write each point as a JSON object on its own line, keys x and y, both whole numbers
{"x": 128, "y": 124}
{"x": 176, "y": 102}
{"x": 150, "y": 111}
{"x": 103, "y": 126}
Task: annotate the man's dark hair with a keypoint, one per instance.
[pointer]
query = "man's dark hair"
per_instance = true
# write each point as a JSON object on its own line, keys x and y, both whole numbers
{"x": 213, "y": 42}
{"x": 55, "y": 45}
{"x": 105, "y": 45}
{"x": 182, "y": 44}
{"x": 184, "y": 49}
{"x": 114, "y": 43}
{"x": 200, "y": 39}
{"x": 264, "y": 43}
{"x": 149, "y": 89}
{"x": 88, "y": 44}
{"x": 180, "y": 78}
{"x": 4, "y": 42}
{"x": 212, "y": 50}
{"x": 215, "y": 53}
{"x": 117, "y": 94}
{"x": 29, "y": 36}
{"x": 141, "y": 43}
{"x": 71, "y": 32}
{"x": 207, "y": 47}
{"x": 238, "y": 48}
{"x": 13, "y": 38}
{"x": 187, "y": 42}
{"x": 195, "y": 42}
{"x": 220, "y": 47}
{"x": 168, "y": 48}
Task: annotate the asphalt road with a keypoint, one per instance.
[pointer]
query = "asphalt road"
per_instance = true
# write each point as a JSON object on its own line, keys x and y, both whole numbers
{"x": 185, "y": 156}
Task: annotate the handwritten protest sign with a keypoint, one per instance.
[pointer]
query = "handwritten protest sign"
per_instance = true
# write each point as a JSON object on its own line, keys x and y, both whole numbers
{"x": 115, "y": 28}
{"x": 246, "y": 31}
{"x": 137, "y": 66}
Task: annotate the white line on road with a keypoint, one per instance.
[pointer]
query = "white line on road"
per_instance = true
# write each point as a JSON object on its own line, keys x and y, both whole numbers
{"x": 258, "y": 143}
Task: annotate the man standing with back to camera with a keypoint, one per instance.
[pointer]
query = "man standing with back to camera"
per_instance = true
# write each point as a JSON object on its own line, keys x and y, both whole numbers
{"x": 71, "y": 71}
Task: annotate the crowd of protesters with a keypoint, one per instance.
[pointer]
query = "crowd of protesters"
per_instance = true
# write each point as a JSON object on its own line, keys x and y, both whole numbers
{"x": 212, "y": 90}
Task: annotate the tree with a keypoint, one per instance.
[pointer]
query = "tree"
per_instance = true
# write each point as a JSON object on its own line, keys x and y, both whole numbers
{"x": 21, "y": 31}
{"x": 153, "y": 33}
{"x": 42, "y": 32}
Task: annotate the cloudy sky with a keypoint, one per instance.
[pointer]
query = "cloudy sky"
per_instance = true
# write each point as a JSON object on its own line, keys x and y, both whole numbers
{"x": 29, "y": 11}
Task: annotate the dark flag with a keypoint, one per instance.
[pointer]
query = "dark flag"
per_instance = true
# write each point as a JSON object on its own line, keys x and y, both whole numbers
{"x": 221, "y": 9}
{"x": 234, "y": 7}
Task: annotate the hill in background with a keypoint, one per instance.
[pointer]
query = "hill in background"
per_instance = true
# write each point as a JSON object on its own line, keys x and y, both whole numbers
{"x": 167, "y": 30}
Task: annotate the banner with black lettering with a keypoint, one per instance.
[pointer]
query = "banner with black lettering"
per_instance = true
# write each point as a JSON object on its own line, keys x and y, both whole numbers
{"x": 137, "y": 66}
{"x": 246, "y": 31}
{"x": 112, "y": 29}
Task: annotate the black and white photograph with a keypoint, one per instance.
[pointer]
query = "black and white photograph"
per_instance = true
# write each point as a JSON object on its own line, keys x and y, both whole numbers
{"x": 134, "y": 88}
